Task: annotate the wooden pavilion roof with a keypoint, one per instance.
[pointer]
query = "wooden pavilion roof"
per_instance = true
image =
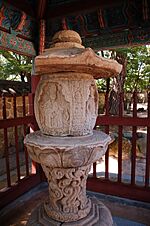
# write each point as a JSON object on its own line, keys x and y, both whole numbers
{"x": 101, "y": 24}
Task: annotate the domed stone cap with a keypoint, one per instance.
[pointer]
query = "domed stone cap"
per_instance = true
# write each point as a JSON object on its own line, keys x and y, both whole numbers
{"x": 66, "y": 39}
{"x": 67, "y": 54}
{"x": 67, "y": 36}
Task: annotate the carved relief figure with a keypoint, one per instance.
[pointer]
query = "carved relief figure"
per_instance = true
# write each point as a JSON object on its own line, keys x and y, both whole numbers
{"x": 65, "y": 105}
{"x": 78, "y": 107}
{"x": 91, "y": 107}
{"x": 54, "y": 109}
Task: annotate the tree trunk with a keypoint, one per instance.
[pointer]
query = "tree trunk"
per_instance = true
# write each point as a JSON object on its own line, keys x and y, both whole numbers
{"x": 116, "y": 93}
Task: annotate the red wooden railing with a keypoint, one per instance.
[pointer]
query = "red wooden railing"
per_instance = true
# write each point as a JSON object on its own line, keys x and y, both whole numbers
{"x": 13, "y": 186}
{"x": 99, "y": 183}
{"x": 131, "y": 188}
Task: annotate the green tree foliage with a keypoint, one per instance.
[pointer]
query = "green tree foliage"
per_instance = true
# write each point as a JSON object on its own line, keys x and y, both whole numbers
{"x": 14, "y": 66}
{"x": 101, "y": 85}
{"x": 137, "y": 74}
{"x": 138, "y": 68}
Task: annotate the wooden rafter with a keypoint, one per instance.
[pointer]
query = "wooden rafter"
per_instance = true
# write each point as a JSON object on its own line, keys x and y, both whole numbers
{"x": 41, "y": 9}
{"x": 79, "y": 6}
{"x": 24, "y": 6}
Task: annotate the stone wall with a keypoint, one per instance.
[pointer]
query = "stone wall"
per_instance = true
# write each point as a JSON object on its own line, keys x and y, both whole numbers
{"x": 11, "y": 130}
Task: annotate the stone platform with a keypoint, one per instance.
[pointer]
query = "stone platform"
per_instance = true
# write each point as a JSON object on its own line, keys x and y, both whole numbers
{"x": 17, "y": 212}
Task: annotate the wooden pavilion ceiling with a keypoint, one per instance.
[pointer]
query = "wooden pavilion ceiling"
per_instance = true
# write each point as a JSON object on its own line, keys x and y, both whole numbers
{"x": 101, "y": 23}
{"x": 57, "y": 8}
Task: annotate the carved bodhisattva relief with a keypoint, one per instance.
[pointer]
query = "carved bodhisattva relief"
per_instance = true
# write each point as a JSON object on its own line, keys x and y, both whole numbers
{"x": 64, "y": 106}
{"x": 53, "y": 111}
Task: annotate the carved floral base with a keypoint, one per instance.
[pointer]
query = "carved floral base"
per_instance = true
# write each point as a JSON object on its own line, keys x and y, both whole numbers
{"x": 67, "y": 189}
{"x": 99, "y": 215}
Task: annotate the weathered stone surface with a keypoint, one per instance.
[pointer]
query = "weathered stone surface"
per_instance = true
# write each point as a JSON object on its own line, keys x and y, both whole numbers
{"x": 66, "y": 100}
{"x": 66, "y": 104}
{"x": 65, "y": 45}
{"x": 66, "y": 162}
{"x": 77, "y": 60}
{"x": 99, "y": 215}
{"x": 68, "y": 54}
{"x": 66, "y": 39}
{"x": 67, "y": 36}
{"x": 66, "y": 151}
{"x": 67, "y": 188}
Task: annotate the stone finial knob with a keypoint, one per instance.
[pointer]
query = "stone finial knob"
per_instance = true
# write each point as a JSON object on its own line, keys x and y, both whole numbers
{"x": 67, "y": 36}
{"x": 66, "y": 39}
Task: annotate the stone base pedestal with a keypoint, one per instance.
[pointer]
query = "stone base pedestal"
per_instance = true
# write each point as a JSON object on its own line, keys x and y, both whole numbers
{"x": 66, "y": 162}
{"x": 99, "y": 215}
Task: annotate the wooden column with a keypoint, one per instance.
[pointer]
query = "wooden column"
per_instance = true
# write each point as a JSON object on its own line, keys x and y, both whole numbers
{"x": 41, "y": 36}
{"x": 34, "y": 82}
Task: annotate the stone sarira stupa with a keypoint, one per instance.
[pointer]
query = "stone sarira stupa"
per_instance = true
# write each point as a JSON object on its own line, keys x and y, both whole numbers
{"x": 66, "y": 108}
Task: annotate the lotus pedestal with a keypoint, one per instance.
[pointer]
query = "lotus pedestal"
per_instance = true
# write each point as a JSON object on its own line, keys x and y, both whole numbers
{"x": 66, "y": 162}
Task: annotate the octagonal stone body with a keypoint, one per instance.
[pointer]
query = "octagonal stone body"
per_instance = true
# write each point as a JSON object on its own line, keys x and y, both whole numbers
{"x": 66, "y": 104}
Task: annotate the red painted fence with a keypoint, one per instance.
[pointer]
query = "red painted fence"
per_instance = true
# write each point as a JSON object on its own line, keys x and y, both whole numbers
{"x": 124, "y": 184}
{"x": 18, "y": 173}
{"x": 134, "y": 183}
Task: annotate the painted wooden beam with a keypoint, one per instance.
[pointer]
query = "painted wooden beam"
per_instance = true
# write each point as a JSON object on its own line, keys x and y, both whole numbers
{"x": 79, "y": 6}
{"x": 24, "y": 6}
{"x": 13, "y": 43}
